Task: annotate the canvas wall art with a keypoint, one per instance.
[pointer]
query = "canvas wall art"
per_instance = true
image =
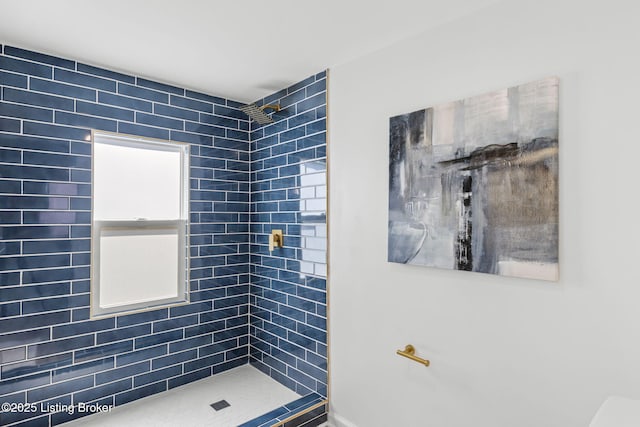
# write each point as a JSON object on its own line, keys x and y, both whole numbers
{"x": 473, "y": 184}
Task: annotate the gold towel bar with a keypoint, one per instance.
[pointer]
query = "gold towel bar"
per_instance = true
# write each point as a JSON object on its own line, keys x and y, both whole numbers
{"x": 410, "y": 353}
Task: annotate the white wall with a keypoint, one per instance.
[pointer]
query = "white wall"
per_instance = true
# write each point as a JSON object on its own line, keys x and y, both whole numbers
{"x": 505, "y": 352}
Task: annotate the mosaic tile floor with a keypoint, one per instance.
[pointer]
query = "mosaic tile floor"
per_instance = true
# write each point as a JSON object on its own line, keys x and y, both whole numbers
{"x": 249, "y": 392}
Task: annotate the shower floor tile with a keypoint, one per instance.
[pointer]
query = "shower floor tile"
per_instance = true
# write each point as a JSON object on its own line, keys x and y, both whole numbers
{"x": 249, "y": 392}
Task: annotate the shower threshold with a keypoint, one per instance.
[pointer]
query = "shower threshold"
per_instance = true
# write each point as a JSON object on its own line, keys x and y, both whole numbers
{"x": 248, "y": 392}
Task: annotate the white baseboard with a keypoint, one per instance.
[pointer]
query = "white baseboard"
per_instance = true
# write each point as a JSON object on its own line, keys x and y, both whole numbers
{"x": 335, "y": 420}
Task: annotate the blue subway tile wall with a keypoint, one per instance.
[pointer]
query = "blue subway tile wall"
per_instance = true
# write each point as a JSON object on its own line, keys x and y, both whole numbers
{"x": 308, "y": 411}
{"x": 50, "y": 351}
{"x": 288, "y": 320}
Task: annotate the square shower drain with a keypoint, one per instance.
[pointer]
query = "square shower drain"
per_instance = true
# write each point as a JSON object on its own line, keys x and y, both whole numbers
{"x": 221, "y": 404}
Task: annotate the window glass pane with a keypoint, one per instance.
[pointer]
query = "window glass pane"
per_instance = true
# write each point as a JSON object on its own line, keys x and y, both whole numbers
{"x": 138, "y": 265}
{"x": 136, "y": 180}
{"x": 140, "y": 225}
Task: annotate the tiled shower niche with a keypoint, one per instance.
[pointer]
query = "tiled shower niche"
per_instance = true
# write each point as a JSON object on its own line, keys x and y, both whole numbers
{"x": 50, "y": 352}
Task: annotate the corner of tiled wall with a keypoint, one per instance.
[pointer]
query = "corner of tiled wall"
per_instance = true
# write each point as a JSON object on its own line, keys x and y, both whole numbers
{"x": 288, "y": 285}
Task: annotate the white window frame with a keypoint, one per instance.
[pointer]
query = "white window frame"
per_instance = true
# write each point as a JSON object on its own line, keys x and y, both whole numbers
{"x": 140, "y": 226}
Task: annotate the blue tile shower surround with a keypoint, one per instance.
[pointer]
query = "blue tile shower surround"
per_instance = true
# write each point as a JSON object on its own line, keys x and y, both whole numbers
{"x": 288, "y": 318}
{"x": 50, "y": 352}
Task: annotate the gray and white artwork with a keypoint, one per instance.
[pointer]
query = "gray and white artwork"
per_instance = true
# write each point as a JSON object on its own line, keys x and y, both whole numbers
{"x": 473, "y": 184}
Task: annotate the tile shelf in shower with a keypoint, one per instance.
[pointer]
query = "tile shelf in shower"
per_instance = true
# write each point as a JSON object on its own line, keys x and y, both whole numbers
{"x": 288, "y": 411}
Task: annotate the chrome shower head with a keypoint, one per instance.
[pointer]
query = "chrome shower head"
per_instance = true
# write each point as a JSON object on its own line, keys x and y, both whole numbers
{"x": 258, "y": 114}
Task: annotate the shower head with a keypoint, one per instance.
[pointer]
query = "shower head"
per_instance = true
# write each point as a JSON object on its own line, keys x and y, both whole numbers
{"x": 258, "y": 114}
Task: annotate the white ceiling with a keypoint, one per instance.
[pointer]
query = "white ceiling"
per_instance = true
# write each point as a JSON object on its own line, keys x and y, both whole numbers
{"x": 242, "y": 50}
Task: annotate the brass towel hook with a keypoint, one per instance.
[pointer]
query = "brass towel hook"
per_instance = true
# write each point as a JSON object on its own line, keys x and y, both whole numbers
{"x": 410, "y": 353}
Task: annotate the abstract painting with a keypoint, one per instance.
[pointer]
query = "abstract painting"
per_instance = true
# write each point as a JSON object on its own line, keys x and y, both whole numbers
{"x": 473, "y": 184}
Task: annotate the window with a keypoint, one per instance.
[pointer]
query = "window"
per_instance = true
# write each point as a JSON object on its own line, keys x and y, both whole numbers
{"x": 139, "y": 254}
